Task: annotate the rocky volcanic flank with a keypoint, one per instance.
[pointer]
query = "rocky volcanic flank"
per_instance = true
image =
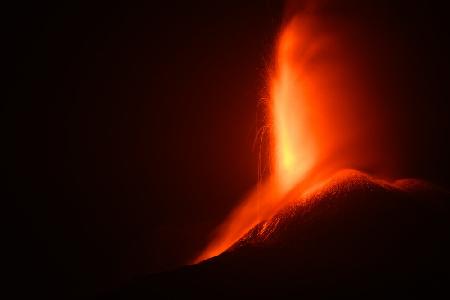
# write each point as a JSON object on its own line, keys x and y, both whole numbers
{"x": 352, "y": 236}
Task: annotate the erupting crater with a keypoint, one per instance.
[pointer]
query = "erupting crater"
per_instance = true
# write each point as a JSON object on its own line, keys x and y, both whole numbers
{"x": 315, "y": 226}
{"x": 317, "y": 118}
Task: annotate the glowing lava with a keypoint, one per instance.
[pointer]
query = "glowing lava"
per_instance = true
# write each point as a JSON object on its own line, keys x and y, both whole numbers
{"x": 293, "y": 149}
{"x": 320, "y": 119}
{"x": 293, "y": 142}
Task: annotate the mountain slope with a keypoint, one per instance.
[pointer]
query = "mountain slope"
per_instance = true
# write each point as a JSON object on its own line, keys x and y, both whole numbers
{"x": 352, "y": 236}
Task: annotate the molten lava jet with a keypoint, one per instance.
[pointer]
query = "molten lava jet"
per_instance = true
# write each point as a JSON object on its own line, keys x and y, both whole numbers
{"x": 321, "y": 119}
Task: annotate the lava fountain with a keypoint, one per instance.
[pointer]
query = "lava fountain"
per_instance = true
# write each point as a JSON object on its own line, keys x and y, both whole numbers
{"x": 320, "y": 119}
{"x": 293, "y": 142}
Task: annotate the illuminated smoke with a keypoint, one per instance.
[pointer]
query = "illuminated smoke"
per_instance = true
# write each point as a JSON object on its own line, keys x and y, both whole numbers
{"x": 321, "y": 118}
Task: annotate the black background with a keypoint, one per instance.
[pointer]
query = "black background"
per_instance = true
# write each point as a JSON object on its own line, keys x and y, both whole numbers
{"x": 133, "y": 126}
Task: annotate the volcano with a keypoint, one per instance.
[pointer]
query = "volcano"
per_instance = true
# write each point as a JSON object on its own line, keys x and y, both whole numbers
{"x": 353, "y": 235}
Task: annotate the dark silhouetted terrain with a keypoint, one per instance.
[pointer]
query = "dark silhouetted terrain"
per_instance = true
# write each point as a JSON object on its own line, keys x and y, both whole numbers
{"x": 355, "y": 236}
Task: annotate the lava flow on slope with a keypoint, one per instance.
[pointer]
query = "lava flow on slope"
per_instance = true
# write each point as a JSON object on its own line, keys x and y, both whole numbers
{"x": 321, "y": 118}
{"x": 352, "y": 235}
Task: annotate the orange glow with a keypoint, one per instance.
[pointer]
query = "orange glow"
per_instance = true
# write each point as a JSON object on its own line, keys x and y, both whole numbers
{"x": 293, "y": 149}
{"x": 294, "y": 152}
{"x": 320, "y": 119}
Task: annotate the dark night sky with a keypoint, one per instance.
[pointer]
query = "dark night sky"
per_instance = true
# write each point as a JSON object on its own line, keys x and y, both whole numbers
{"x": 133, "y": 126}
